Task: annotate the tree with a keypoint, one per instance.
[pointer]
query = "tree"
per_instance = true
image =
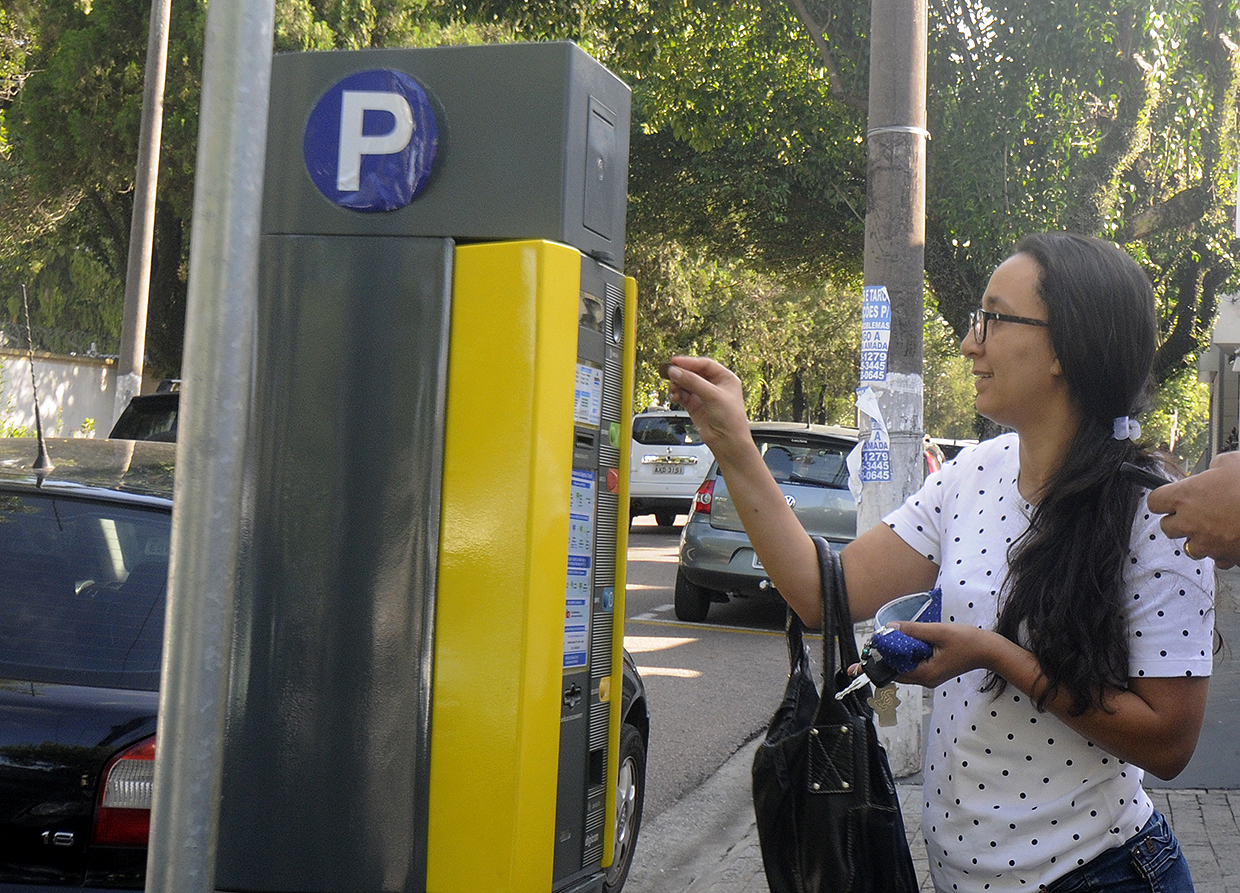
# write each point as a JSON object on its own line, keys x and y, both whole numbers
{"x": 1110, "y": 119}
{"x": 747, "y": 171}
{"x": 72, "y": 132}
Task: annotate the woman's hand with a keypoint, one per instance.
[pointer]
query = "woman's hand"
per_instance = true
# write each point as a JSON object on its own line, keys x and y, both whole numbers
{"x": 958, "y": 648}
{"x": 713, "y": 397}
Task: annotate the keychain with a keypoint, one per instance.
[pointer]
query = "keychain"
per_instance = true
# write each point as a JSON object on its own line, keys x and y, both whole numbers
{"x": 890, "y": 653}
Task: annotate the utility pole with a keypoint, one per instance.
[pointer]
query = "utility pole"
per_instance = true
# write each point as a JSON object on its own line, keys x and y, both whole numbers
{"x": 895, "y": 258}
{"x": 142, "y": 224}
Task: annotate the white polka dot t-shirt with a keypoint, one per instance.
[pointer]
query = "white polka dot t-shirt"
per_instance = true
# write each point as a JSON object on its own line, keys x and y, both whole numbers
{"x": 1013, "y": 797}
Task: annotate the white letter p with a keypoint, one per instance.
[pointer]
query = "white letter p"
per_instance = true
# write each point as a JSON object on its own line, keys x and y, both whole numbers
{"x": 353, "y": 145}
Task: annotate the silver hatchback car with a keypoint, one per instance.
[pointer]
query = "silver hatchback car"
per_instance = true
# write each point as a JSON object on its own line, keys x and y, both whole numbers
{"x": 716, "y": 558}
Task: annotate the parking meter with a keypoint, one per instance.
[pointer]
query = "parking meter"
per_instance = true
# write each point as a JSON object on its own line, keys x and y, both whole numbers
{"x": 427, "y": 668}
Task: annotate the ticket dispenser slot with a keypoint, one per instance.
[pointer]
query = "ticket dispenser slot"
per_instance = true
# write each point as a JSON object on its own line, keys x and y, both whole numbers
{"x": 430, "y": 601}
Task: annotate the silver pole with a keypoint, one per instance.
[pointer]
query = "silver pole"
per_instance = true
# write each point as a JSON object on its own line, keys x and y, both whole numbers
{"x": 211, "y": 442}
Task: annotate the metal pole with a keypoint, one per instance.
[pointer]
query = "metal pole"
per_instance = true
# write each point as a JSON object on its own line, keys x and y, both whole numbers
{"x": 211, "y": 444}
{"x": 142, "y": 223}
{"x": 894, "y": 257}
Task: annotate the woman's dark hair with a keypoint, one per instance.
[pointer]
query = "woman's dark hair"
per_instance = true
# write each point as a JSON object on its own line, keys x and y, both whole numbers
{"x": 1064, "y": 591}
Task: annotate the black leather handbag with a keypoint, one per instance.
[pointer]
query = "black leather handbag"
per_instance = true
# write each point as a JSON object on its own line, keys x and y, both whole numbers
{"x": 827, "y": 809}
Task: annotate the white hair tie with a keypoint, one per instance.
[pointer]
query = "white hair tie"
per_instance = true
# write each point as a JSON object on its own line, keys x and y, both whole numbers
{"x": 1124, "y": 428}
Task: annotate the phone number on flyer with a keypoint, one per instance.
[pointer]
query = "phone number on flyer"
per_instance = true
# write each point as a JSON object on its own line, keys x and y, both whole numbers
{"x": 875, "y": 464}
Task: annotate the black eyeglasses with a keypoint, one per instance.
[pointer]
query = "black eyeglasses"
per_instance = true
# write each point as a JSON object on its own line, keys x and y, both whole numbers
{"x": 982, "y": 319}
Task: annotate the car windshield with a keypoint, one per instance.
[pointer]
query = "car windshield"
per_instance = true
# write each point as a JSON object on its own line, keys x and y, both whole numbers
{"x": 799, "y": 460}
{"x": 143, "y": 419}
{"x": 82, "y": 591}
{"x": 665, "y": 431}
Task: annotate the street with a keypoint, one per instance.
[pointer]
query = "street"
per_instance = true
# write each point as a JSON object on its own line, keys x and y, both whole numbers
{"x": 711, "y": 686}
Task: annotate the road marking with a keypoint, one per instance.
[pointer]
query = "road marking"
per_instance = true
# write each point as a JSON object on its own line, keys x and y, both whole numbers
{"x": 701, "y": 627}
{"x": 654, "y": 613}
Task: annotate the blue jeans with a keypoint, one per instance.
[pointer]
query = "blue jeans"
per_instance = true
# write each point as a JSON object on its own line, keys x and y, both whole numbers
{"x": 1150, "y": 862}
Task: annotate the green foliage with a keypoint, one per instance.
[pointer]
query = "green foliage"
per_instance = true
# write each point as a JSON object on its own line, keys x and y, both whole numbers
{"x": 947, "y": 380}
{"x": 67, "y": 177}
{"x": 1179, "y": 420}
{"x": 747, "y": 168}
{"x": 1121, "y": 124}
{"x": 793, "y": 347}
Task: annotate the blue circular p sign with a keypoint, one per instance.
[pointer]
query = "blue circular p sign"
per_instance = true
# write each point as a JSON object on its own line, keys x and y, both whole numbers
{"x": 370, "y": 141}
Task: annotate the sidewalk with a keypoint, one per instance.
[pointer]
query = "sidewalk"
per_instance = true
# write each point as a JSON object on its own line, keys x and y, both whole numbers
{"x": 729, "y": 860}
{"x": 707, "y": 842}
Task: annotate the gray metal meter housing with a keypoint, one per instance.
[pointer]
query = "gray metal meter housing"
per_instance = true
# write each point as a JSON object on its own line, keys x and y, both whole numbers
{"x": 534, "y": 144}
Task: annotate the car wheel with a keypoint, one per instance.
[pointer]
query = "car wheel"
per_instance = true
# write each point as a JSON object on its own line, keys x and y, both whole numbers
{"x": 630, "y": 796}
{"x": 692, "y": 601}
{"x": 665, "y": 518}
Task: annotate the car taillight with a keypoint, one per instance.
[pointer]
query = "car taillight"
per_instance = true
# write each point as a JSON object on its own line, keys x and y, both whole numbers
{"x": 704, "y": 497}
{"x": 123, "y": 815}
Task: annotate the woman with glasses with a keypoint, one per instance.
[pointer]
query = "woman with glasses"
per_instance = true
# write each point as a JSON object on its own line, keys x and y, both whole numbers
{"x": 1075, "y": 648}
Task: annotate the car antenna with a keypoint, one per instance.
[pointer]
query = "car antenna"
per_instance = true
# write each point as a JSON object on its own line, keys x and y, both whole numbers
{"x": 43, "y": 462}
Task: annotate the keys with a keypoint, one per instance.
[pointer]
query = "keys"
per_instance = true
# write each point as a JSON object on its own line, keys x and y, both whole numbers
{"x": 857, "y": 683}
{"x": 904, "y": 653}
{"x": 874, "y": 671}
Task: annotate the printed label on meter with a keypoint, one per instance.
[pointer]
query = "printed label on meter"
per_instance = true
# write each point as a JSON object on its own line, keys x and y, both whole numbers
{"x": 588, "y": 399}
{"x": 580, "y": 552}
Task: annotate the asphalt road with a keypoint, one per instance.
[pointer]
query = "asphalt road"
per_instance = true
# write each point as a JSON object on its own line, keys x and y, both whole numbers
{"x": 711, "y": 686}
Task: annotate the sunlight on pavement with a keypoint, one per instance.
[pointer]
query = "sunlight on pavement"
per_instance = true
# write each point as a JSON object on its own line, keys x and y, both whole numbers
{"x": 669, "y": 671}
{"x": 645, "y": 644}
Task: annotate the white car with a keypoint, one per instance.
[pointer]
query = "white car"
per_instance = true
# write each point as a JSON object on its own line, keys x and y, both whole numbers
{"x": 668, "y": 463}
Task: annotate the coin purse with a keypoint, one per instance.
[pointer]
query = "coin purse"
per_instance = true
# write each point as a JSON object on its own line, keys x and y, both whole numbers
{"x": 897, "y": 653}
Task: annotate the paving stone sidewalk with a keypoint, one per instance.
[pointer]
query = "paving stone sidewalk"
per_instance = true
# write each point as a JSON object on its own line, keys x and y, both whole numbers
{"x": 1204, "y": 821}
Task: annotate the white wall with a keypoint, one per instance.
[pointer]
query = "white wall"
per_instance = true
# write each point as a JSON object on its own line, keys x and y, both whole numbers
{"x": 75, "y": 393}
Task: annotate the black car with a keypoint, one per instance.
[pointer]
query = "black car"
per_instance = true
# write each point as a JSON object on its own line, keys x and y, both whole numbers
{"x": 85, "y": 558}
{"x": 84, "y": 551}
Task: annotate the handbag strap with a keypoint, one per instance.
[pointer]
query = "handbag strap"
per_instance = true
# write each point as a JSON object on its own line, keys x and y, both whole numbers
{"x": 837, "y": 625}
{"x": 793, "y": 632}
{"x": 836, "y": 621}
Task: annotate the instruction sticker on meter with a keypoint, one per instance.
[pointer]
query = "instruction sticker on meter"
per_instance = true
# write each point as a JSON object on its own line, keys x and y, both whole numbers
{"x": 588, "y": 396}
{"x": 580, "y": 556}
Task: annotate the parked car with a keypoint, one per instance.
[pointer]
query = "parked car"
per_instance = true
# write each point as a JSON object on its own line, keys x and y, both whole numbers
{"x": 84, "y": 551}
{"x": 150, "y": 416}
{"x": 667, "y": 464}
{"x": 717, "y": 561}
{"x": 85, "y": 558}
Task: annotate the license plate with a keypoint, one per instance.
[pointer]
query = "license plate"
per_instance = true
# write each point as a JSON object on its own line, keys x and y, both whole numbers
{"x": 669, "y": 469}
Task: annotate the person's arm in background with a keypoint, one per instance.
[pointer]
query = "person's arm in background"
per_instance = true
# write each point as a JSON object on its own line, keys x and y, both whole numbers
{"x": 878, "y": 566}
{"x": 1205, "y": 510}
